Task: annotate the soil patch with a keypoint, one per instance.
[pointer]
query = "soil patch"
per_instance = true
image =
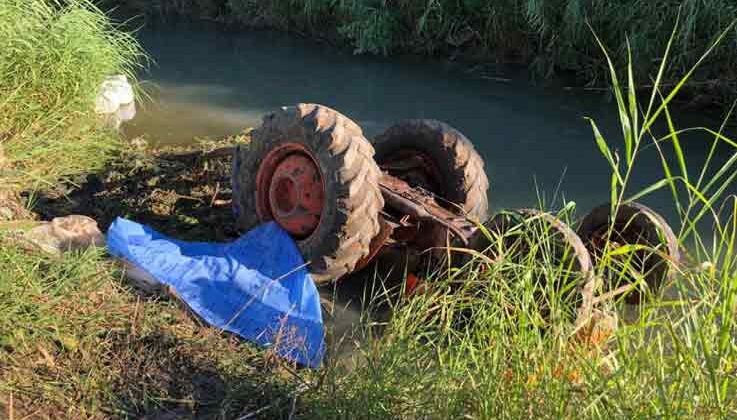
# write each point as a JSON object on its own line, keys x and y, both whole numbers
{"x": 183, "y": 192}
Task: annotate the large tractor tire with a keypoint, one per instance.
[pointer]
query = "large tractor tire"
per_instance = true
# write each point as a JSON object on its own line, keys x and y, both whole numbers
{"x": 310, "y": 169}
{"x": 435, "y": 156}
{"x": 523, "y": 230}
{"x": 634, "y": 224}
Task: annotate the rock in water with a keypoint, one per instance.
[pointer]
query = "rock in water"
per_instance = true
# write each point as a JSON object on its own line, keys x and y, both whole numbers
{"x": 69, "y": 233}
{"x": 116, "y": 101}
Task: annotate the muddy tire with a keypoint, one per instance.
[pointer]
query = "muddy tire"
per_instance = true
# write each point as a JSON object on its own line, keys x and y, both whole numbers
{"x": 438, "y": 158}
{"x": 346, "y": 214}
{"x": 634, "y": 224}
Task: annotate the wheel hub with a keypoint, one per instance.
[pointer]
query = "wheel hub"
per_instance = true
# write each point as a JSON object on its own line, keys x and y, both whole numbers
{"x": 416, "y": 168}
{"x": 291, "y": 190}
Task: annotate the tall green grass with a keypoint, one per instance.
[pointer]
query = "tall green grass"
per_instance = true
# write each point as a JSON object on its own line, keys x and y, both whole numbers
{"x": 54, "y": 54}
{"x": 492, "y": 339}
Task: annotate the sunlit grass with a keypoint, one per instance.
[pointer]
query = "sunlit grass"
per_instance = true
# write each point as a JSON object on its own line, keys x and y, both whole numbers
{"x": 502, "y": 336}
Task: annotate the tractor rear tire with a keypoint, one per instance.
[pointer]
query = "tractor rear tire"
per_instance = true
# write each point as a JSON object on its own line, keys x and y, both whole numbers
{"x": 450, "y": 166}
{"x": 345, "y": 205}
{"x": 531, "y": 223}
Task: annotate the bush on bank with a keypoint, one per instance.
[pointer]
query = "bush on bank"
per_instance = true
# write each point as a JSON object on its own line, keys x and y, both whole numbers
{"x": 75, "y": 342}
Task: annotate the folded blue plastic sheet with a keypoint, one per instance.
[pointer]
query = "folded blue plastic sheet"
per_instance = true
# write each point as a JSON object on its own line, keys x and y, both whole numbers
{"x": 256, "y": 287}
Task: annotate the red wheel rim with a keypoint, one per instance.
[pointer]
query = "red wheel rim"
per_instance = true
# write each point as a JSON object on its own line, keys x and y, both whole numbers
{"x": 290, "y": 189}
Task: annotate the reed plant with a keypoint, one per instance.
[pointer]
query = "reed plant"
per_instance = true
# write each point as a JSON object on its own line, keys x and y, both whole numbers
{"x": 550, "y": 35}
{"x": 498, "y": 337}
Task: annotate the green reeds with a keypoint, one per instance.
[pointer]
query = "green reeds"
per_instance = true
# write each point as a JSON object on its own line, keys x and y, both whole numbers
{"x": 550, "y": 35}
{"x": 491, "y": 339}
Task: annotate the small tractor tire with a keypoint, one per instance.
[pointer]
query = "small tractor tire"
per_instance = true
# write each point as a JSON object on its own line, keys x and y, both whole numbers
{"x": 435, "y": 156}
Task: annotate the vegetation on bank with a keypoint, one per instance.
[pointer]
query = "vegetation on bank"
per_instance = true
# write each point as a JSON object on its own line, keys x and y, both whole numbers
{"x": 672, "y": 356}
{"x": 550, "y": 35}
{"x": 54, "y": 55}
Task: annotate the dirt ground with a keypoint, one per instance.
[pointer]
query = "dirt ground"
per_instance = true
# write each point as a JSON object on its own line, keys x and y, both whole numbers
{"x": 183, "y": 192}
{"x": 92, "y": 346}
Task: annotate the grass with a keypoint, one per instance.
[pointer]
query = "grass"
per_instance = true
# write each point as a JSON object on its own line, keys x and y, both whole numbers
{"x": 487, "y": 340}
{"x": 78, "y": 343}
{"x": 54, "y": 55}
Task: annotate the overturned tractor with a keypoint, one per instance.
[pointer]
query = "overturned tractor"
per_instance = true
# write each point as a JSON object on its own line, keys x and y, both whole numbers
{"x": 421, "y": 186}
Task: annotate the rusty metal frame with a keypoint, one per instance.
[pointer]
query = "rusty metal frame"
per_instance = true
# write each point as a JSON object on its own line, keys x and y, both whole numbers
{"x": 420, "y": 221}
{"x": 421, "y": 206}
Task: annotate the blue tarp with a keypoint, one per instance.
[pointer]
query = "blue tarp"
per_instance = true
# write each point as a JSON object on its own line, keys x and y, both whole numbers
{"x": 256, "y": 287}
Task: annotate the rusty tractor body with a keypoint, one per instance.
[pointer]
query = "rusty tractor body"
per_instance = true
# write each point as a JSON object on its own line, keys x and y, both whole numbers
{"x": 420, "y": 186}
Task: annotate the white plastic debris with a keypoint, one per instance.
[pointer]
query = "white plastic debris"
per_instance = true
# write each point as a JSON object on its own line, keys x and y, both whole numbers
{"x": 126, "y": 112}
{"x": 116, "y": 101}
